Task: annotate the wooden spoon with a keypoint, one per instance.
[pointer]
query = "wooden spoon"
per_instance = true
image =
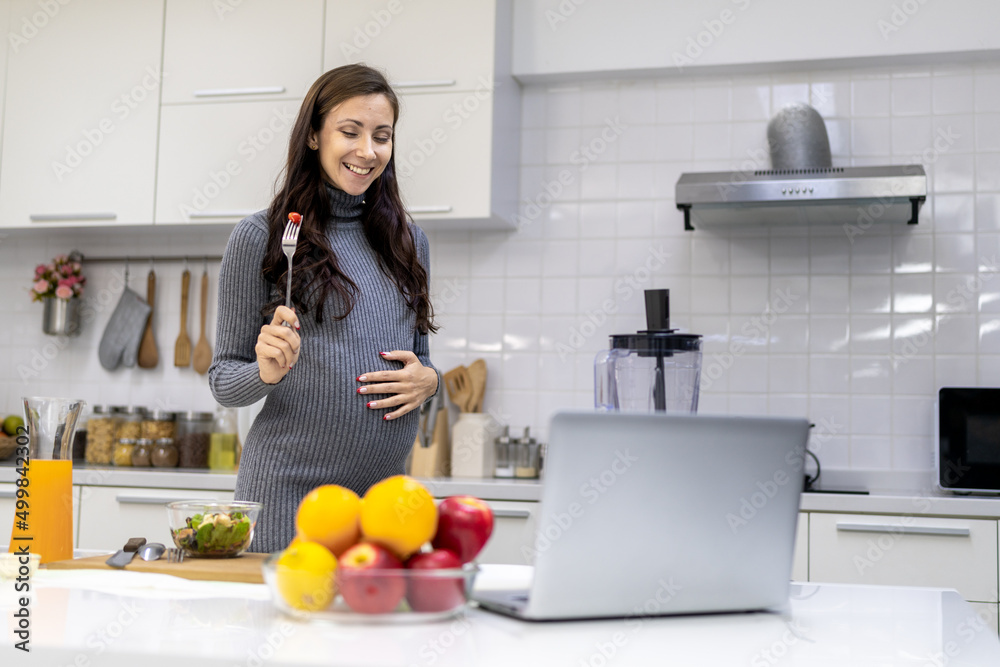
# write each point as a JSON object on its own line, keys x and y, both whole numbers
{"x": 477, "y": 384}
{"x": 148, "y": 355}
{"x": 182, "y": 348}
{"x": 203, "y": 351}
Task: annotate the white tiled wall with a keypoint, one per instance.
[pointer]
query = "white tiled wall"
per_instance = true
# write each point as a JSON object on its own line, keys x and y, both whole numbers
{"x": 870, "y": 326}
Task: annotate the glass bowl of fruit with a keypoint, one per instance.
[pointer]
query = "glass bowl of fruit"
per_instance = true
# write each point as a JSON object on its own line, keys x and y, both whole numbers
{"x": 211, "y": 529}
{"x": 368, "y": 584}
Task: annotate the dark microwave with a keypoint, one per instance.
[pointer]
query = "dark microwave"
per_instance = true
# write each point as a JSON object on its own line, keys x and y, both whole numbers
{"x": 968, "y": 434}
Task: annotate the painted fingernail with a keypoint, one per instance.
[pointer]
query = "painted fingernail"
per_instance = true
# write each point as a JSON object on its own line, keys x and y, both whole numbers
{"x": 362, "y": 378}
{"x": 371, "y": 404}
{"x": 362, "y": 390}
{"x": 291, "y": 366}
{"x": 386, "y": 417}
{"x": 297, "y": 327}
{"x": 383, "y": 353}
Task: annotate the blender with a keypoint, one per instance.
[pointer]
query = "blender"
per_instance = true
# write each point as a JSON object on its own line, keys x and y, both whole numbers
{"x": 653, "y": 370}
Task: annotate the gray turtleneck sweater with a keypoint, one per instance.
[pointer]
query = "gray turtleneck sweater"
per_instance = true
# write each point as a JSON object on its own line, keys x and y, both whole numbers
{"x": 314, "y": 427}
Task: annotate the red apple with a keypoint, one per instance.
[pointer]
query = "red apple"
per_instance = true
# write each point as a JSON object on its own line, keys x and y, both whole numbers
{"x": 464, "y": 525}
{"x": 367, "y": 581}
{"x": 434, "y": 593}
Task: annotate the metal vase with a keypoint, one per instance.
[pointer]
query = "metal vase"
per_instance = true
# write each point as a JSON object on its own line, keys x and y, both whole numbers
{"x": 61, "y": 317}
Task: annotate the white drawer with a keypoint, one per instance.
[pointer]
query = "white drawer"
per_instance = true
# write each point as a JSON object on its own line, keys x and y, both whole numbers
{"x": 513, "y": 530}
{"x": 905, "y": 551}
{"x": 800, "y": 559}
{"x": 110, "y": 515}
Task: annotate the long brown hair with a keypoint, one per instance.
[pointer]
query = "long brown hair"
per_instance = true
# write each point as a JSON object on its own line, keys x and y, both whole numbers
{"x": 384, "y": 219}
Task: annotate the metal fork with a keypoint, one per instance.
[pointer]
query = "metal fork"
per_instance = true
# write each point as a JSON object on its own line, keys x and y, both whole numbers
{"x": 175, "y": 556}
{"x": 288, "y": 241}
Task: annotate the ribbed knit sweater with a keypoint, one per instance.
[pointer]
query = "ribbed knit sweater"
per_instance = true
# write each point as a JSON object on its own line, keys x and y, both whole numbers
{"x": 314, "y": 427}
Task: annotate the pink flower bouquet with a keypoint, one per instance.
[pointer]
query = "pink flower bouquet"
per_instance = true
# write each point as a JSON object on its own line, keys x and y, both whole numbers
{"x": 60, "y": 279}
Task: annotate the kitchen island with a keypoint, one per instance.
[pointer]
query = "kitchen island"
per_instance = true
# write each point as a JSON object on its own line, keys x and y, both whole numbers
{"x": 124, "y": 618}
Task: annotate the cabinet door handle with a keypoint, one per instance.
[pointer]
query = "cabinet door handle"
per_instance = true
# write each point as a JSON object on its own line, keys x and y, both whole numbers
{"x": 429, "y": 209}
{"x": 950, "y": 531}
{"x": 512, "y": 514}
{"x": 225, "y": 92}
{"x": 8, "y": 494}
{"x": 201, "y": 215}
{"x": 124, "y": 499}
{"x": 59, "y": 217}
{"x": 425, "y": 83}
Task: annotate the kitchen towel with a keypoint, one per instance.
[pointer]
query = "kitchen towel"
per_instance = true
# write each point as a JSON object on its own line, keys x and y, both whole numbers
{"x": 120, "y": 342}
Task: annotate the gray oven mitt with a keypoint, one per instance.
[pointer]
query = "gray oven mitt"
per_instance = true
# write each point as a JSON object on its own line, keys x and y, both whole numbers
{"x": 120, "y": 342}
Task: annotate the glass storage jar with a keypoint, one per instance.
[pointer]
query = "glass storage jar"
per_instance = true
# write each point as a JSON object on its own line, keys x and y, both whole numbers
{"x": 164, "y": 454}
{"x": 142, "y": 453}
{"x": 194, "y": 435}
{"x": 100, "y": 436}
{"x": 158, "y": 424}
{"x": 222, "y": 446}
{"x": 122, "y": 455}
{"x": 130, "y": 422}
{"x": 527, "y": 458}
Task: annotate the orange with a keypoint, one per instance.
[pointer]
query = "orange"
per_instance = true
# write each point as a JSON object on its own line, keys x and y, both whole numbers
{"x": 329, "y": 515}
{"x": 399, "y": 514}
{"x": 305, "y": 576}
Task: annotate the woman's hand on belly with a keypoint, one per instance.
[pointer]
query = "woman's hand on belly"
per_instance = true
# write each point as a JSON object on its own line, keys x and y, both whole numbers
{"x": 408, "y": 387}
{"x": 278, "y": 346}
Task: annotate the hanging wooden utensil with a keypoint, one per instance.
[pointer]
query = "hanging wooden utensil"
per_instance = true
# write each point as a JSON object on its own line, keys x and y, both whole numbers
{"x": 148, "y": 354}
{"x": 477, "y": 382}
{"x": 203, "y": 351}
{"x": 182, "y": 348}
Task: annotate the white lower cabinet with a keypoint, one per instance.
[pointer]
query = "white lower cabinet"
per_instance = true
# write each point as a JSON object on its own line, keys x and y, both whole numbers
{"x": 8, "y": 499}
{"x": 110, "y": 515}
{"x": 800, "y": 559}
{"x": 989, "y": 616}
{"x": 905, "y": 551}
{"x": 513, "y": 539}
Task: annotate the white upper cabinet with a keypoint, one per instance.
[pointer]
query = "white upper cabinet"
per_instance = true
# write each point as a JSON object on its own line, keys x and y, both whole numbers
{"x": 82, "y": 103}
{"x": 228, "y": 50}
{"x": 440, "y": 45}
{"x": 219, "y": 162}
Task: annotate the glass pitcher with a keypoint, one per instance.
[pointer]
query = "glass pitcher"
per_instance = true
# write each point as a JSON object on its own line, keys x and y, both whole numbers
{"x": 43, "y": 517}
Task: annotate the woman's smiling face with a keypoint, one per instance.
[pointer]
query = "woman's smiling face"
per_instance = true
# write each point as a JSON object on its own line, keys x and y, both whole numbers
{"x": 355, "y": 142}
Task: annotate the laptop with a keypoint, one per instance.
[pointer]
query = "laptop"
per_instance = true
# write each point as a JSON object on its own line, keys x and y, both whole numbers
{"x": 655, "y": 514}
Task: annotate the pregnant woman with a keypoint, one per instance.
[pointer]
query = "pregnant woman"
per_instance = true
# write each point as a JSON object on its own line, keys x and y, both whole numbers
{"x": 343, "y": 380}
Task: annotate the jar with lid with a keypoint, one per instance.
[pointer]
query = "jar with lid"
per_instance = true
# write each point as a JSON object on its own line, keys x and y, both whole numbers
{"x": 504, "y": 463}
{"x": 80, "y": 439}
{"x": 194, "y": 434}
{"x": 164, "y": 454}
{"x": 100, "y": 436}
{"x": 222, "y": 446}
{"x": 141, "y": 455}
{"x": 158, "y": 424}
{"x": 130, "y": 424}
{"x": 122, "y": 454}
{"x": 526, "y": 462}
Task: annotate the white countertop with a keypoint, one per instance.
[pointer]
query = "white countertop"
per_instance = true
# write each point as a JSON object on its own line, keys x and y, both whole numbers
{"x": 111, "y": 618}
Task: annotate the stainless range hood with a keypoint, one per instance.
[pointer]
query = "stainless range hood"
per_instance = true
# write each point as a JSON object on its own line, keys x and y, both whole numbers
{"x": 827, "y": 195}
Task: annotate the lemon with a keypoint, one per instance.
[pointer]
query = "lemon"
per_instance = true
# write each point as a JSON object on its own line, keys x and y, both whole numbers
{"x": 305, "y": 576}
{"x": 11, "y": 424}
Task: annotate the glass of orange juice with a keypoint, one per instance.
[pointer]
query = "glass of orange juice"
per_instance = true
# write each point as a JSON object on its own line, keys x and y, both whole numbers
{"x": 43, "y": 514}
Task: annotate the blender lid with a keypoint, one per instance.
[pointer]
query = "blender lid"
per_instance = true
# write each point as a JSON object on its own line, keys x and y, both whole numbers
{"x": 657, "y": 341}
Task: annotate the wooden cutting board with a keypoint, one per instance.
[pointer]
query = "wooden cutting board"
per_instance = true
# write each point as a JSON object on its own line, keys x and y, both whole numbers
{"x": 245, "y": 568}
